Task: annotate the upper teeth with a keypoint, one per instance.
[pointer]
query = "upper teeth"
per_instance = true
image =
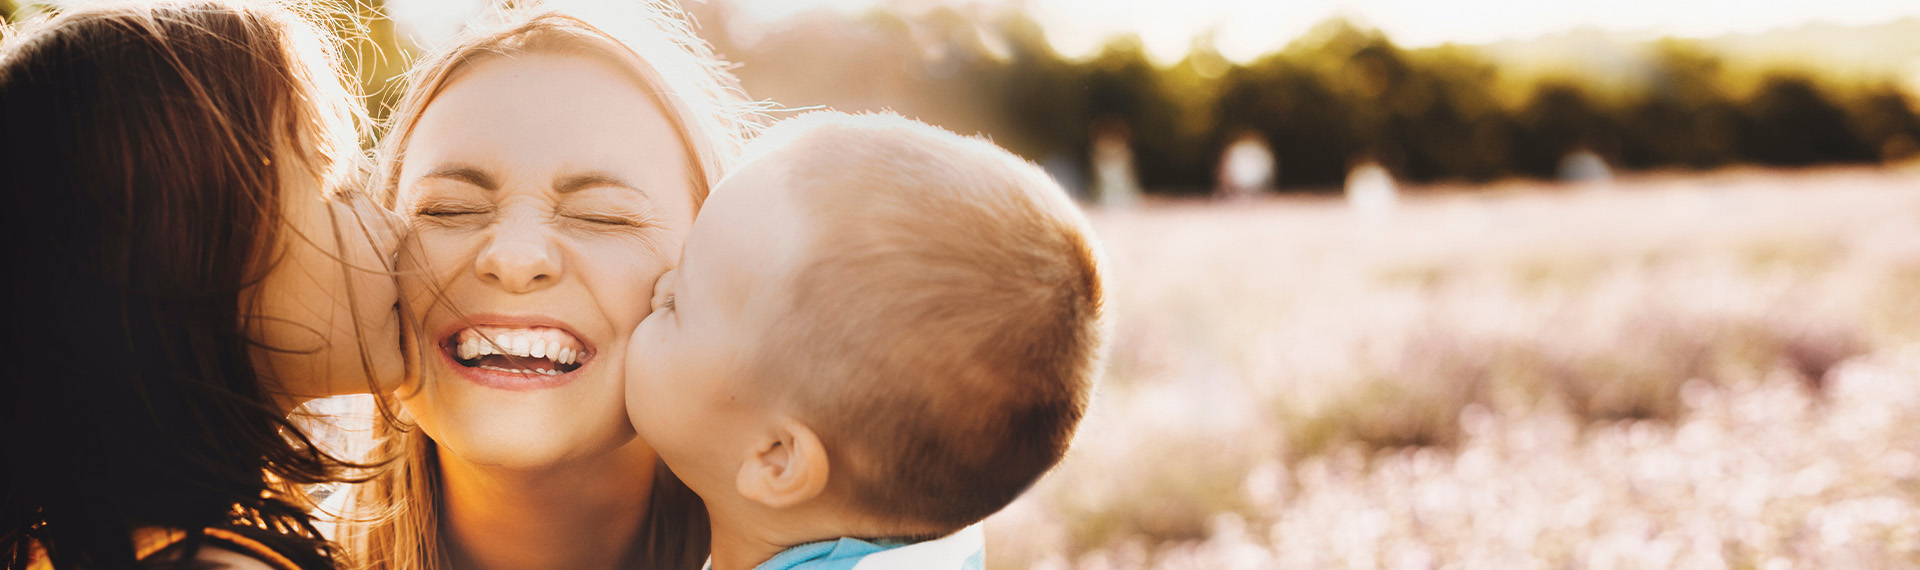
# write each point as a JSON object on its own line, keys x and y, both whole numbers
{"x": 551, "y": 344}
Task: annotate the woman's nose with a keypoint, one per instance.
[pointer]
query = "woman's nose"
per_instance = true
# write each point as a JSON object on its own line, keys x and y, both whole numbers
{"x": 520, "y": 258}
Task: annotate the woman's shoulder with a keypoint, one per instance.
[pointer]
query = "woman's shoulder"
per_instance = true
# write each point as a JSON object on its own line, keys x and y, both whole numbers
{"x": 219, "y": 557}
{"x": 223, "y": 548}
{"x": 231, "y": 547}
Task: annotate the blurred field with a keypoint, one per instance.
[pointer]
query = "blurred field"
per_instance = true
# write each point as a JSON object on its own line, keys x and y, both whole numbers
{"x": 1699, "y": 370}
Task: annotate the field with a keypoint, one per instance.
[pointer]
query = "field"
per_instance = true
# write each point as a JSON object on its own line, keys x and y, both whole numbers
{"x": 1671, "y": 370}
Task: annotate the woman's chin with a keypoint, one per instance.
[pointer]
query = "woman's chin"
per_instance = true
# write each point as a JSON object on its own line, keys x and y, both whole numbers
{"x": 521, "y": 429}
{"x": 515, "y": 451}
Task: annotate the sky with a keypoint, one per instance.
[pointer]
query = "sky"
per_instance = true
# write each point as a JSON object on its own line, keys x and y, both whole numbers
{"x": 1245, "y": 29}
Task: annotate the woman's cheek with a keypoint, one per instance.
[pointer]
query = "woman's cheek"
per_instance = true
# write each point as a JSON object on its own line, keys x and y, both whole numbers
{"x": 632, "y": 281}
{"x": 430, "y": 259}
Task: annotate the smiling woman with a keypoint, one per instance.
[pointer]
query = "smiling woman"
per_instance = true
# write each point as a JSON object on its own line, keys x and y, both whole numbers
{"x": 550, "y": 170}
{"x": 503, "y": 231}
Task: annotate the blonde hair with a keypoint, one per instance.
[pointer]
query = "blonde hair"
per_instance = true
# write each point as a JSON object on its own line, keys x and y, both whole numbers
{"x": 397, "y": 526}
{"x": 701, "y": 98}
{"x": 943, "y": 330}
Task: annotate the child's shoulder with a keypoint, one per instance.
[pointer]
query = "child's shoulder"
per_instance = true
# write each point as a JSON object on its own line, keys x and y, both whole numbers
{"x": 965, "y": 549}
{"x": 962, "y": 550}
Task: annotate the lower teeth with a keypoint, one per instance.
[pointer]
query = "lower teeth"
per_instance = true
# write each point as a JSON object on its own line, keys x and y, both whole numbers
{"x": 520, "y": 370}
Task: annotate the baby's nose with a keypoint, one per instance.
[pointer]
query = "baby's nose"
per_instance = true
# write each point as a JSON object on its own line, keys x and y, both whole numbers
{"x": 661, "y": 290}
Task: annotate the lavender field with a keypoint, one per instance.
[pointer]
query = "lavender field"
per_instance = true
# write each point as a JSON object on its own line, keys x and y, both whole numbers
{"x": 1670, "y": 370}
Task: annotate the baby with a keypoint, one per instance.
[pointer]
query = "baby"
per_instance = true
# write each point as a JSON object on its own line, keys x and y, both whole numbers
{"x": 879, "y": 334}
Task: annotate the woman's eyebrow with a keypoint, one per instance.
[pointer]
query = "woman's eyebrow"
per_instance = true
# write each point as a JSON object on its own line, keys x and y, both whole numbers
{"x": 570, "y": 183}
{"x": 465, "y": 173}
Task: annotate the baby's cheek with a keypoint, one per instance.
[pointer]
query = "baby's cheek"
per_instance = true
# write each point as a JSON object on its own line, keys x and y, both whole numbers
{"x": 643, "y": 354}
{"x": 631, "y": 369}
{"x": 637, "y": 305}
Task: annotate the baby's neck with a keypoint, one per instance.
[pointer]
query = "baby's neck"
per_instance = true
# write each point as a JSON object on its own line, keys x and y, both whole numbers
{"x": 744, "y": 542}
{"x": 736, "y": 548}
{"x": 746, "y": 537}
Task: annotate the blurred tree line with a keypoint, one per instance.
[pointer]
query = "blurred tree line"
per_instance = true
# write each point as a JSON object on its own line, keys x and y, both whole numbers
{"x": 1337, "y": 96}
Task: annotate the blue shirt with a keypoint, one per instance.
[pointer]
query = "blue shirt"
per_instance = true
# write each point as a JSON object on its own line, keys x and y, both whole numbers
{"x": 963, "y": 550}
{"x": 826, "y": 555}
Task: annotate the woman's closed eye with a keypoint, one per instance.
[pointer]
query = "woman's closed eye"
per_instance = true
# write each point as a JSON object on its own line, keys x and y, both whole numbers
{"x": 605, "y": 218}
{"x": 446, "y": 210}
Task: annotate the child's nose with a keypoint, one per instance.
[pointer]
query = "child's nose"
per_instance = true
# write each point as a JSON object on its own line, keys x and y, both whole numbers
{"x": 660, "y": 290}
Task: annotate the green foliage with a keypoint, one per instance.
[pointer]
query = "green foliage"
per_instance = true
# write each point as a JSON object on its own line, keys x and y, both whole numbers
{"x": 1790, "y": 122}
{"x": 376, "y": 57}
{"x": 1339, "y": 95}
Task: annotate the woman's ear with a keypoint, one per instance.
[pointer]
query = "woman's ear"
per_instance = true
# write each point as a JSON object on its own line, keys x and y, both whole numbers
{"x": 788, "y": 468}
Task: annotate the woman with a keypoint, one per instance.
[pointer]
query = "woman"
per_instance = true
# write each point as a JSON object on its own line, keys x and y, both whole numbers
{"x": 549, "y": 169}
{"x": 185, "y": 268}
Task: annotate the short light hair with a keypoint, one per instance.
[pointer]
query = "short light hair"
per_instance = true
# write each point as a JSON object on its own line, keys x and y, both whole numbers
{"x": 942, "y": 332}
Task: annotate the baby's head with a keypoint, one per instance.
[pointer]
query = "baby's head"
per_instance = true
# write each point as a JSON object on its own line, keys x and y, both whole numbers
{"x": 875, "y": 321}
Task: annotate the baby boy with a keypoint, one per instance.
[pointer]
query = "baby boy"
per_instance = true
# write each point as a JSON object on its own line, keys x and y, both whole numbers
{"x": 879, "y": 334}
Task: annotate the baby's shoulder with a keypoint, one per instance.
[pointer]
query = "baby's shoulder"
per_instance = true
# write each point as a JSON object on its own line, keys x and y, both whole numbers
{"x": 965, "y": 549}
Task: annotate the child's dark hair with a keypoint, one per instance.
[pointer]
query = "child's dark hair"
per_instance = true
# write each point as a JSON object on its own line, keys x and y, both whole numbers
{"x": 143, "y": 150}
{"x": 944, "y": 328}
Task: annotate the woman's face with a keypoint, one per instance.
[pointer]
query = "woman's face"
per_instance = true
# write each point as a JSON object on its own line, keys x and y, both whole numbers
{"x": 324, "y": 317}
{"x": 545, "y": 194}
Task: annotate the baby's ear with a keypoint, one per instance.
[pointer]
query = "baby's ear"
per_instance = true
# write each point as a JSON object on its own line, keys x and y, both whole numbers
{"x": 787, "y": 468}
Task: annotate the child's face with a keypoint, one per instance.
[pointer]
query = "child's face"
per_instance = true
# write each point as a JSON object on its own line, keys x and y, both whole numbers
{"x": 687, "y": 392}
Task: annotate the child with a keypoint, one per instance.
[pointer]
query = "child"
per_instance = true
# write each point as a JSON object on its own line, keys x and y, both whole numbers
{"x": 879, "y": 334}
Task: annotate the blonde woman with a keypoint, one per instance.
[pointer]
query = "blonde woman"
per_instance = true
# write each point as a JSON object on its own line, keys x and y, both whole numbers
{"x": 549, "y": 168}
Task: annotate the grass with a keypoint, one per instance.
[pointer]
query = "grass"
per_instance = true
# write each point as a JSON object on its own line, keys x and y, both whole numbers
{"x": 1686, "y": 371}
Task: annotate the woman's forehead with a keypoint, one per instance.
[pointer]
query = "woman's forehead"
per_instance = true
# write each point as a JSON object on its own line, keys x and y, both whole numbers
{"x": 541, "y": 114}
{"x": 560, "y": 88}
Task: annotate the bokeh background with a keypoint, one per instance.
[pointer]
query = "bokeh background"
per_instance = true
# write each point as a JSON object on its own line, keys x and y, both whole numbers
{"x": 1484, "y": 283}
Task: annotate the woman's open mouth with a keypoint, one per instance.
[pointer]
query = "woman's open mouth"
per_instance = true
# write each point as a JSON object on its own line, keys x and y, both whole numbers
{"x": 530, "y": 351}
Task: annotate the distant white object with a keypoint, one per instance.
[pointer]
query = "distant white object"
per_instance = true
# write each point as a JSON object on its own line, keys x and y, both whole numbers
{"x": 1247, "y": 168}
{"x": 1584, "y": 167}
{"x": 1113, "y": 181}
{"x": 1371, "y": 191}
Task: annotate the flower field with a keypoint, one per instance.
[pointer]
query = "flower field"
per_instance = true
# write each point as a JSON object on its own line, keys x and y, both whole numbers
{"x": 1713, "y": 370}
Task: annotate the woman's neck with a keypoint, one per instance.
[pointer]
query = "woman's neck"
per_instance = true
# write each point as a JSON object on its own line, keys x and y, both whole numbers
{"x": 585, "y": 515}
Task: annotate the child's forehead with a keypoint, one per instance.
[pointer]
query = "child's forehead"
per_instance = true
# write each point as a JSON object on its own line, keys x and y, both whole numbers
{"x": 751, "y": 235}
